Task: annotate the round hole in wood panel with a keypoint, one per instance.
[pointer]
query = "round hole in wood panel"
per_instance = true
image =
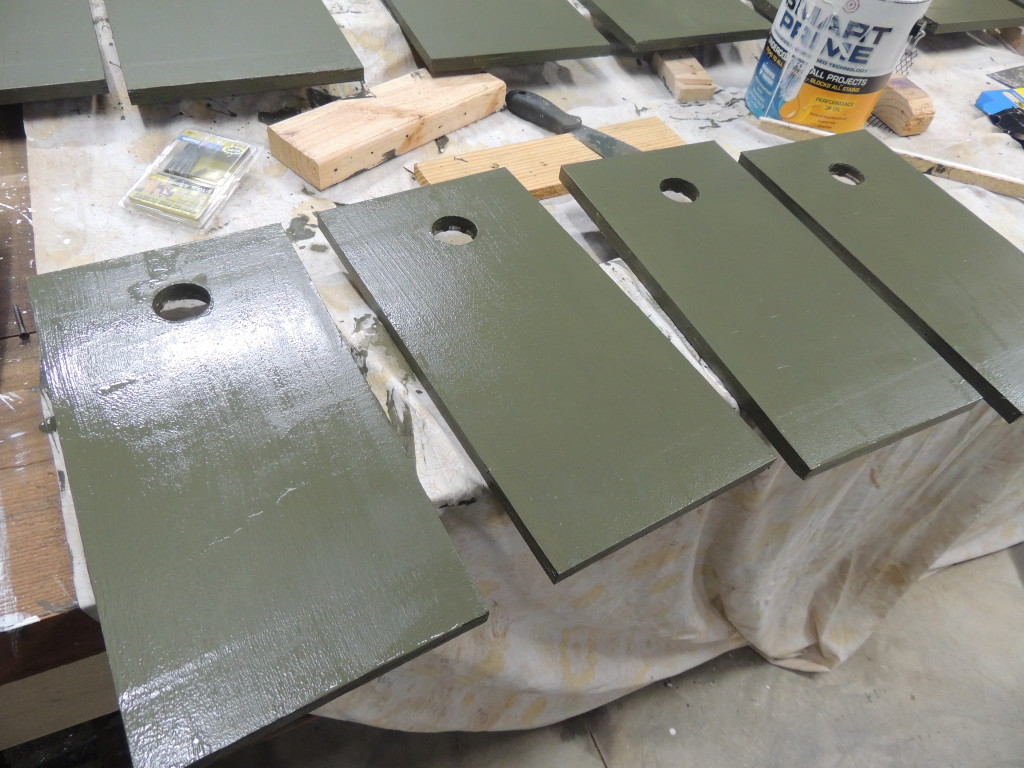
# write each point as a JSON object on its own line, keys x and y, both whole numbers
{"x": 679, "y": 190}
{"x": 181, "y": 301}
{"x": 846, "y": 174}
{"x": 454, "y": 230}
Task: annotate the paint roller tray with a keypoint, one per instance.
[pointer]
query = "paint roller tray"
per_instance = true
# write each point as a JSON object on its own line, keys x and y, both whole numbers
{"x": 191, "y": 179}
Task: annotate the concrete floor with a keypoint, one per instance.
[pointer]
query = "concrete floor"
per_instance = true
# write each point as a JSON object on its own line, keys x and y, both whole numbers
{"x": 941, "y": 683}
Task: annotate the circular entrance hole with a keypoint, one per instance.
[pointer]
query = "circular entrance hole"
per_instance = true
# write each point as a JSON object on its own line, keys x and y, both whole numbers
{"x": 679, "y": 190}
{"x": 846, "y": 174}
{"x": 454, "y": 230}
{"x": 181, "y": 301}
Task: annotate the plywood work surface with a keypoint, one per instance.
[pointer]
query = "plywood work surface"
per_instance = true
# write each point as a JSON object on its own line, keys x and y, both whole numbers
{"x": 466, "y": 35}
{"x": 193, "y": 49}
{"x": 521, "y": 338}
{"x": 822, "y": 365}
{"x": 956, "y": 280}
{"x": 649, "y": 26}
{"x": 536, "y": 163}
{"x": 256, "y": 538}
{"x": 48, "y": 50}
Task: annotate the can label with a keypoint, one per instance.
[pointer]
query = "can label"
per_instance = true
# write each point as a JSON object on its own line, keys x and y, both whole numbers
{"x": 850, "y": 51}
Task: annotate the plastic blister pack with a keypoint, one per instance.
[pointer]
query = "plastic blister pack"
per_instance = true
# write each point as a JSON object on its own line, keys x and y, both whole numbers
{"x": 191, "y": 179}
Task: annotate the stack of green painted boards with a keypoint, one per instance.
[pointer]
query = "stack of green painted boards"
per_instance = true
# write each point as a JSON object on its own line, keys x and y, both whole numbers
{"x": 257, "y": 539}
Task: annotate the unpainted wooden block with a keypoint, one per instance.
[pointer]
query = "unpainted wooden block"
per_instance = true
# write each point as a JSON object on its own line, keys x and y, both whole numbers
{"x": 536, "y": 164}
{"x": 330, "y": 143}
{"x": 904, "y": 107}
{"x": 684, "y": 76}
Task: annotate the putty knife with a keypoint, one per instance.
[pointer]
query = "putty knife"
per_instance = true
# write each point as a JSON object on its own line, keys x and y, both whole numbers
{"x": 540, "y": 111}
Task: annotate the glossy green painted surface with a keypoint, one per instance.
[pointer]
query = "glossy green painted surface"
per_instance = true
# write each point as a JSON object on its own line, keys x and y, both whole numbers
{"x": 48, "y": 50}
{"x": 464, "y": 35}
{"x": 648, "y": 26}
{"x": 951, "y": 276}
{"x": 588, "y": 422}
{"x": 192, "y": 49}
{"x": 256, "y": 538}
{"x": 821, "y": 364}
{"x": 949, "y": 15}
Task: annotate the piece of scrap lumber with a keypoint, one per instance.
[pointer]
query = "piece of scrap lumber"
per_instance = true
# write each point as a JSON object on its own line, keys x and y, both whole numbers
{"x": 330, "y": 143}
{"x": 536, "y": 164}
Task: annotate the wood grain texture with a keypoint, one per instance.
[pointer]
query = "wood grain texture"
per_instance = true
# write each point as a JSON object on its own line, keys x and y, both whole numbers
{"x": 904, "y": 108}
{"x": 330, "y": 143}
{"x": 56, "y": 699}
{"x": 190, "y": 49}
{"x": 536, "y": 164}
{"x": 684, "y": 77}
{"x": 649, "y": 26}
{"x": 256, "y": 539}
{"x": 470, "y": 35}
{"x": 956, "y": 281}
{"x": 584, "y": 418}
{"x": 48, "y": 50}
{"x": 824, "y": 368}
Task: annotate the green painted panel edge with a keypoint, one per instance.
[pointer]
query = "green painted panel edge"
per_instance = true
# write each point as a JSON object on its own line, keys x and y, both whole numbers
{"x": 221, "y": 622}
{"x": 299, "y": 43}
{"x": 452, "y": 64}
{"x": 673, "y": 250}
{"x": 410, "y": 317}
{"x": 992, "y": 364}
{"x": 751, "y": 28}
{"x": 68, "y": 33}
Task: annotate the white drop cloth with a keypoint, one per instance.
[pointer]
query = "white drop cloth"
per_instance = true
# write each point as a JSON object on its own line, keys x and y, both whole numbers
{"x": 802, "y": 571}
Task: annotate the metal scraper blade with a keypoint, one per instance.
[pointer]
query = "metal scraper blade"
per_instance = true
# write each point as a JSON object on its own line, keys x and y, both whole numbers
{"x": 1012, "y": 77}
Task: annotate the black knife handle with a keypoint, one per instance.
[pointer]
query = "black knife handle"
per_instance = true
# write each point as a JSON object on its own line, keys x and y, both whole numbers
{"x": 540, "y": 111}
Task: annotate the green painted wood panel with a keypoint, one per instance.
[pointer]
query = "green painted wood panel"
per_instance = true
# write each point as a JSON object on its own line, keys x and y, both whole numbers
{"x": 824, "y": 368}
{"x": 648, "y": 26}
{"x": 48, "y": 50}
{"x": 193, "y": 49}
{"x": 257, "y": 539}
{"x": 972, "y": 15}
{"x": 466, "y": 35}
{"x": 587, "y": 422}
{"x": 951, "y": 276}
{"x": 945, "y": 16}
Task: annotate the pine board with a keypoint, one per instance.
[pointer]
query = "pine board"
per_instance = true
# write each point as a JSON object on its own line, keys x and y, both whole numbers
{"x": 950, "y": 276}
{"x": 536, "y": 164}
{"x": 470, "y": 35}
{"x": 256, "y": 538}
{"x": 48, "y": 50}
{"x": 183, "y": 50}
{"x": 650, "y": 26}
{"x": 824, "y": 368}
{"x": 587, "y": 422}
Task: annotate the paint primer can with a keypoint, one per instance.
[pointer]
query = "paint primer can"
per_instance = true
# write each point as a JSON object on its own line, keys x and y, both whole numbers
{"x": 826, "y": 62}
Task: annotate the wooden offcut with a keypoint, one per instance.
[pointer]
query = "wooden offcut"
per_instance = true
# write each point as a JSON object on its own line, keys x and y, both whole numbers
{"x": 584, "y": 419}
{"x": 954, "y": 279}
{"x": 684, "y": 76}
{"x": 256, "y": 538}
{"x": 536, "y": 164}
{"x": 1011, "y": 37}
{"x": 904, "y": 107}
{"x": 330, "y": 143}
{"x": 48, "y": 50}
{"x": 824, "y": 368}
